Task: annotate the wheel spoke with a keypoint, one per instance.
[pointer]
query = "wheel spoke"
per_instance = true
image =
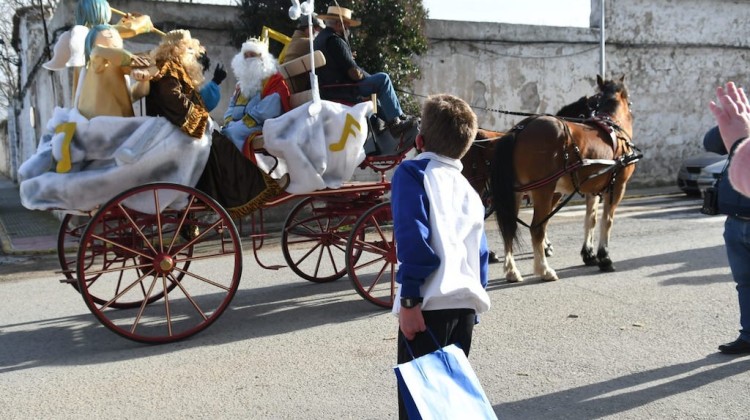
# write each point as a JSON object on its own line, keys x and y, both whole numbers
{"x": 143, "y": 307}
{"x": 139, "y": 259}
{"x": 366, "y": 246}
{"x": 134, "y": 225}
{"x": 167, "y": 311}
{"x": 203, "y": 279}
{"x": 370, "y": 252}
{"x": 126, "y": 290}
{"x": 189, "y": 297}
{"x": 377, "y": 278}
{"x": 181, "y": 223}
{"x": 333, "y": 260}
{"x": 369, "y": 263}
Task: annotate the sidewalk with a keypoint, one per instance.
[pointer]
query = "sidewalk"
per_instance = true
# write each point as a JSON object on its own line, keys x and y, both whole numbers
{"x": 24, "y": 231}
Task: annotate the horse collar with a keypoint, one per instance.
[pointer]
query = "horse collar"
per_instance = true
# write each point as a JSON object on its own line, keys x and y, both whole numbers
{"x": 607, "y": 124}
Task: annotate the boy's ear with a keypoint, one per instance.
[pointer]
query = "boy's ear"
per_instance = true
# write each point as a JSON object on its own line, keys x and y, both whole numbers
{"x": 419, "y": 142}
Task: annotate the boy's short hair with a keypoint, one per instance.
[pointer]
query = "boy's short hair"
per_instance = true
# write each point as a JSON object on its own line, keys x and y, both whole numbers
{"x": 448, "y": 125}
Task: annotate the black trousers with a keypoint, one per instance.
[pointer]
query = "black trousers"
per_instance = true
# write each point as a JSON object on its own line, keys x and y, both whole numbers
{"x": 449, "y": 326}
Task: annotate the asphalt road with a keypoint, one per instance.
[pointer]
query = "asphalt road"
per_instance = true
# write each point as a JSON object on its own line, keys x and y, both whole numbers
{"x": 639, "y": 343}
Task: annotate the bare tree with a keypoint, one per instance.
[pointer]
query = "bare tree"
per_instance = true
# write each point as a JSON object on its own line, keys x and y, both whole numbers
{"x": 9, "y": 59}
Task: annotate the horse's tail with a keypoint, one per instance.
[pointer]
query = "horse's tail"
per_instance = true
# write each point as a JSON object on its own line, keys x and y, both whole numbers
{"x": 502, "y": 182}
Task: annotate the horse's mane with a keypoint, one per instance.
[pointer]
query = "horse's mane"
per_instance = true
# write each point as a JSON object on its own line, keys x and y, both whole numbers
{"x": 578, "y": 109}
{"x": 605, "y": 101}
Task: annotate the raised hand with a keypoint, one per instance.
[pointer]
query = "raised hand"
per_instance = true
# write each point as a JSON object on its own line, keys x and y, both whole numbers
{"x": 732, "y": 113}
{"x": 219, "y": 74}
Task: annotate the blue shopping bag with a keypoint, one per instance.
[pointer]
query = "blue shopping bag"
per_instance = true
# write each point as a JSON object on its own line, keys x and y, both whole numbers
{"x": 442, "y": 385}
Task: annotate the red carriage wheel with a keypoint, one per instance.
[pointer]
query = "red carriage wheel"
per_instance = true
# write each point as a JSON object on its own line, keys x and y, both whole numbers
{"x": 160, "y": 274}
{"x": 314, "y": 239}
{"x": 371, "y": 255}
{"x": 68, "y": 238}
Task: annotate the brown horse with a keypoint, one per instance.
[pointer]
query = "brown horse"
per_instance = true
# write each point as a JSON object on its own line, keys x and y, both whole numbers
{"x": 546, "y": 157}
{"x": 476, "y": 164}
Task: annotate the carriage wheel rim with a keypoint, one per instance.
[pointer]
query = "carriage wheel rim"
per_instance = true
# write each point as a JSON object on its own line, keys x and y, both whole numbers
{"x": 377, "y": 256}
{"x": 180, "y": 292}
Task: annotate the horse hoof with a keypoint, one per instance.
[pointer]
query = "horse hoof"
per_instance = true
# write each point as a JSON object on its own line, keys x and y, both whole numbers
{"x": 607, "y": 267}
{"x": 513, "y": 277}
{"x": 587, "y": 254}
{"x": 549, "y": 275}
{"x": 590, "y": 260}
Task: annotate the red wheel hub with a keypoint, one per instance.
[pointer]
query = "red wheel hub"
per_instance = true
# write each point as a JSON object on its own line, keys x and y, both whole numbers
{"x": 163, "y": 263}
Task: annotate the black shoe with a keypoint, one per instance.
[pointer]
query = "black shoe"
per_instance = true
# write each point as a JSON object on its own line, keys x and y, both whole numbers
{"x": 399, "y": 126}
{"x": 738, "y": 346}
{"x": 378, "y": 125}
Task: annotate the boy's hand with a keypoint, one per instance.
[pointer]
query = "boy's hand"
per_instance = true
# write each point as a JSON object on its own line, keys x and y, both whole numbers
{"x": 411, "y": 322}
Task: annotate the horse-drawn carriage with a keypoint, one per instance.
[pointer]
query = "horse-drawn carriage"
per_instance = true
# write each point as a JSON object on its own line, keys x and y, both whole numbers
{"x": 157, "y": 262}
{"x": 158, "y": 273}
{"x": 163, "y": 274}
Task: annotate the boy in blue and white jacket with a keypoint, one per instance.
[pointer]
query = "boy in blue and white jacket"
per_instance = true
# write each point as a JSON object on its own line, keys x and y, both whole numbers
{"x": 438, "y": 223}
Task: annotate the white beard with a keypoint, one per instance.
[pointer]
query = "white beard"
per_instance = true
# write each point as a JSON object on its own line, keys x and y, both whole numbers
{"x": 251, "y": 72}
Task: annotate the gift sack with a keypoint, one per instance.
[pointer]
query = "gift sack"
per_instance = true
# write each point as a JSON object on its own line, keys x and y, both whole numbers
{"x": 442, "y": 385}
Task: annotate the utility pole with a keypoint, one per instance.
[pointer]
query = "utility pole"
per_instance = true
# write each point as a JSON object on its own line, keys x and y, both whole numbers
{"x": 602, "y": 66}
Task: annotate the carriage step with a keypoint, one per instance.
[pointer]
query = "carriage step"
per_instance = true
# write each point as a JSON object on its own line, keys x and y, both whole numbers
{"x": 68, "y": 281}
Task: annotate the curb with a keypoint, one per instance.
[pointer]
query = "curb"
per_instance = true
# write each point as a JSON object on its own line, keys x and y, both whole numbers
{"x": 8, "y": 248}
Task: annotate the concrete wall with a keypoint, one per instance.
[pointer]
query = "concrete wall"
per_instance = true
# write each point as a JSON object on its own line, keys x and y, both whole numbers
{"x": 49, "y": 89}
{"x": 673, "y": 53}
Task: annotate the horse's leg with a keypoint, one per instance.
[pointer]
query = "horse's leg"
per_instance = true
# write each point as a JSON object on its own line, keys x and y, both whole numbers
{"x": 549, "y": 250}
{"x": 512, "y": 274}
{"x": 543, "y": 198}
{"x": 611, "y": 201}
{"x": 587, "y": 252}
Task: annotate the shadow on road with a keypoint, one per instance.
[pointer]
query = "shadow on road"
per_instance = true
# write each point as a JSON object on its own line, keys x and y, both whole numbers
{"x": 255, "y": 312}
{"x": 623, "y": 393}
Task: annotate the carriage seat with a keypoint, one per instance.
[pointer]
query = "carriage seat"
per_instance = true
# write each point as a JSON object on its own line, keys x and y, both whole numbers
{"x": 296, "y": 73}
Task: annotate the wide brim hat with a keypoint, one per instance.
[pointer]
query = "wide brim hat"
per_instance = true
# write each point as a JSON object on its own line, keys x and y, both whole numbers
{"x": 340, "y": 13}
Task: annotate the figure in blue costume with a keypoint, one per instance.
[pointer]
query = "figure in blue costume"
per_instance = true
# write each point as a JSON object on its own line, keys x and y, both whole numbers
{"x": 261, "y": 94}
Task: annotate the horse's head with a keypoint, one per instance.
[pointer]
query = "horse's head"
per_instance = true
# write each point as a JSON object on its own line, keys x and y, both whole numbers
{"x": 612, "y": 100}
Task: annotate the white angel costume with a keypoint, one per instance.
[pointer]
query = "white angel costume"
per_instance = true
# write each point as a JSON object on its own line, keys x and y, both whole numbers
{"x": 322, "y": 150}
{"x": 108, "y": 155}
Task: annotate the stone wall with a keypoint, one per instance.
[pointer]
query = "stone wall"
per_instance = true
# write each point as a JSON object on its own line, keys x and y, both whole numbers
{"x": 48, "y": 89}
{"x": 673, "y": 54}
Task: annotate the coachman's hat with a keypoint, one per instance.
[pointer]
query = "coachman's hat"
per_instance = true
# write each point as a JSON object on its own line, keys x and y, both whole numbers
{"x": 341, "y": 13}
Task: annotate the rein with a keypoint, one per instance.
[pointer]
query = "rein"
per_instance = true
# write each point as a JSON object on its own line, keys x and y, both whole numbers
{"x": 612, "y": 165}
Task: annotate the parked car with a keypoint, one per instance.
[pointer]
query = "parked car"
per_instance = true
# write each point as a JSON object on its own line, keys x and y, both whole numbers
{"x": 708, "y": 175}
{"x": 687, "y": 177}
